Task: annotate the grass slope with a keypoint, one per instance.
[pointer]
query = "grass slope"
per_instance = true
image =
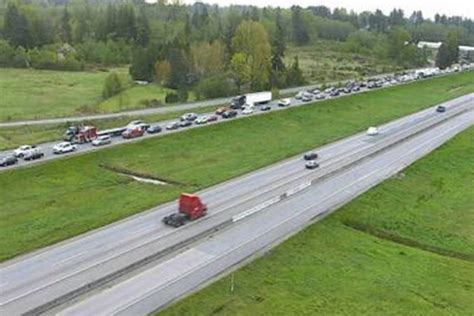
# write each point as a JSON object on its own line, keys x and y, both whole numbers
{"x": 332, "y": 269}
{"x": 60, "y": 199}
{"x": 34, "y": 94}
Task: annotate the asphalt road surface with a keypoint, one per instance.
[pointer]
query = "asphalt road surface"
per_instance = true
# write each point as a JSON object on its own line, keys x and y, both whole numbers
{"x": 47, "y": 148}
{"x": 168, "y": 280}
{"x": 33, "y": 280}
{"x": 167, "y": 109}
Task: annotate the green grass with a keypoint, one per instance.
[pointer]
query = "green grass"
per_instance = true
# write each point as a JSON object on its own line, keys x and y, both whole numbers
{"x": 60, "y": 199}
{"x": 327, "y": 61}
{"x": 332, "y": 269}
{"x": 34, "y": 94}
{"x": 12, "y": 137}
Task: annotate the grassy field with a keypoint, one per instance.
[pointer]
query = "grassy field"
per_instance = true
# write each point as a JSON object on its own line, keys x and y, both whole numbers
{"x": 32, "y": 94}
{"x": 411, "y": 253}
{"x": 73, "y": 195}
{"x": 327, "y": 61}
{"x": 12, "y": 137}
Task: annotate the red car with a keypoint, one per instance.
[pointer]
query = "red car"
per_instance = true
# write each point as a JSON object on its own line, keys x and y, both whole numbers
{"x": 132, "y": 133}
{"x": 212, "y": 118}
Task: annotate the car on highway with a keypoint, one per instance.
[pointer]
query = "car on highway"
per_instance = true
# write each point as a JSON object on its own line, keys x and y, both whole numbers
{"x": 8, "y": 161}
{"x": 247, "y": 110}
{"x": 315, "y": 91}
{"x": 441, "y": 109}
{"x": 265, "y": 107}
{"x": 189, "y": 117}
{"x": 212, "y": 118}
{"x": 284, "y": 102}
{"x": 372, "y": 131}
{"x": 201, "y": 120}
{"x": 310, "y": 156}
{"x": 154, "y": 129}
{"x": 334, "y": 93}
{"x": 172, "y": 126}
{"x": 138, "y": 124}
{"x": 229, "y": 114}
{"x": 307, "y": 97}
{"x": 299, "y": 95}
{"x": 33, "y": 154}
{"x": 185, "y": 123}
{"x": 20, "y": 151}
{"x": 311, "y": 164}
{"x": 320, "y": 96}
{"x": 133, "y": 133}
{"x": 64, "y": 147}
{"x": 221, "y": 110}
{"x": 102, "y": 140}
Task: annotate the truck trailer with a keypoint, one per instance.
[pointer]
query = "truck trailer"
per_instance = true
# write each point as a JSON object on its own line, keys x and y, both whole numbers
{"x": 251, "y": 99}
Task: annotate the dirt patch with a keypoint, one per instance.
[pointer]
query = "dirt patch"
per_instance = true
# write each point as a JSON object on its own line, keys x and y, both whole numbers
{"x": 454, "y": 89}
{"x": 143, "y": 177}
{"x": 383, "y": 234}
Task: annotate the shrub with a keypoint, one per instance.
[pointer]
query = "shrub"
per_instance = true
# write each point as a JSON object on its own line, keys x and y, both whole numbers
{"x": 171, "y": 97}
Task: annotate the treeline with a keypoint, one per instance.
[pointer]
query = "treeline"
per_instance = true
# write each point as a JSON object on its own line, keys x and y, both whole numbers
{"x": 214, "y": 50}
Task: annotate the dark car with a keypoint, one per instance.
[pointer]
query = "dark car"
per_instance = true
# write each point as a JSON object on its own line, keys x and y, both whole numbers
{"x": 212, "y": 118}
{"x": 265, "y": 107}
{"x": 310, "y": 156}
{"x": 229, "y": 114}
{"x": 441, "y": 109}
{"x": 185, "y": 123}
{"x": 154, "y": 129}
{"x": 8, "y": 161}
{"x": 334, "y": 93}
{"x": 311, "y": 164}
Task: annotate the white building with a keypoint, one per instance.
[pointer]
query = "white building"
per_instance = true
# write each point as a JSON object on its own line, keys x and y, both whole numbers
{"x": 465, "y": 52}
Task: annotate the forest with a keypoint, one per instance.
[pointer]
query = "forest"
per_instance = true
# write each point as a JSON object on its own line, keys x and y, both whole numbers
{"x": 215, "y": 51}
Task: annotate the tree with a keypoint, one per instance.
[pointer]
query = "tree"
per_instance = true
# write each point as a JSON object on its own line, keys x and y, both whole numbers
{"x": 300, "y": 33}
{"x": 143, "y": 30}
{"x": 396, "y": 17}
{"x": 278, "y": 51}
{"x": 112, "y": 85}
{"x": 180, "y": 76}
{"x": 448, "y": 52}
{"x": 294, "y": 76}
{"x": 142, "y": 65}
{"x": 65, "y": 27}
{"x": 241, "y": 69}
{"x": 251, "y": 39}
{"x": 163, "y": 71}
{"x": 397, "y": 38}
{"x": 15, "y": 27}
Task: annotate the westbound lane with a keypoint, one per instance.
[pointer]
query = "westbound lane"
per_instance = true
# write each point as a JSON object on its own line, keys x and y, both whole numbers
{"x": 44, "y": 275}
{"x": 171, "y": 278}
{"x": 47, "y": 148}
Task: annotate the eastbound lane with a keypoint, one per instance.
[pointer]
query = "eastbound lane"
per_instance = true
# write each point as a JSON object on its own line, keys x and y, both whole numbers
{"x": 42, "y": 276}
{"x": 171, "y": 278}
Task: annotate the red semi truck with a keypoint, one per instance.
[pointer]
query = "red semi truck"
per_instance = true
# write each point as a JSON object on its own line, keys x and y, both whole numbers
{"x": 80, "y": 134}
{"x": 190, "y": 208}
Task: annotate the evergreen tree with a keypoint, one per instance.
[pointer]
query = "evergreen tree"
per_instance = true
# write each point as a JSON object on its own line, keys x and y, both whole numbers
{"x": 294, "y": 76}
{"x": 15, "y": 27}
{"x": 65, "y": 27}
{"x": 448, "y": 53}
{"x": 278, "y": 51}
{"x": 143, "y": 30}
{"x": 300, "y": 33}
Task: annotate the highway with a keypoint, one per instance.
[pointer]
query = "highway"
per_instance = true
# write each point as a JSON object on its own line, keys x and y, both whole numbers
{"x": 47, "y": 148}
{"x": 169, "y": 279}
{"x": 60, "y": 272}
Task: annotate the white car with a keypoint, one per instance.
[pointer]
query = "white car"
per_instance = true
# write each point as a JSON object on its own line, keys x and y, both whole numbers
{"x": 139, "y": 124}
{"x": 64, "y": 147}
{"x": 102, "y": 140}
{"x": 299, "y": 95}
{"x": 201, "y": 120}
{"x": 284, "y": 102}
{"x": 372, "y": 131}
{"x": 22, "y": 150}
{"x": 247, "y": 110}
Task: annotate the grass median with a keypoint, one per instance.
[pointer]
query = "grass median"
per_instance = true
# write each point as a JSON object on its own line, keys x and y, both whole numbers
{"x": 405, "y": 247}
{"x": 50, "y": 202}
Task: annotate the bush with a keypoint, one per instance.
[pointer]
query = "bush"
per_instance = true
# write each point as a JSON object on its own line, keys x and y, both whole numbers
{"x": 171, "y": 97}
{"x": 215, "y": 87}
{"x": 112, "y": 85}
{"x": 183, "y": 95}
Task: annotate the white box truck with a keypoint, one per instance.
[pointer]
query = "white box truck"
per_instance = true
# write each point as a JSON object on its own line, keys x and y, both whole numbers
{"x": 251, "y": 99}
